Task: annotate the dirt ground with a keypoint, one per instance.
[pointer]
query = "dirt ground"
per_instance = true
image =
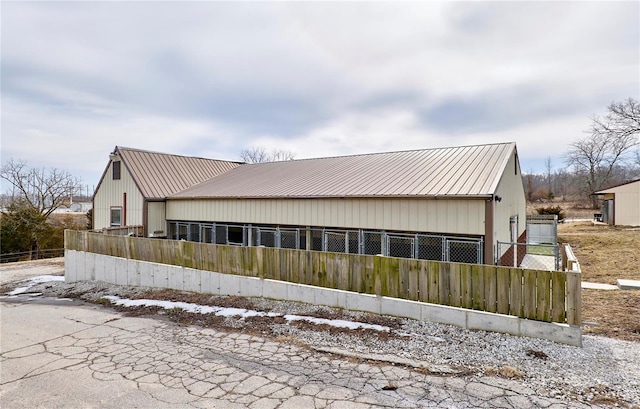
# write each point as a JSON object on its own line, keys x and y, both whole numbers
{"x": 605, "y": 253}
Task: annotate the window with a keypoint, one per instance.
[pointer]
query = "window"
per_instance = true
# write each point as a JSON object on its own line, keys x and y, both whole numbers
{"x": 236, "y": 235}
{"x": 116, "y": 216}
{"x": 115, "y": 167}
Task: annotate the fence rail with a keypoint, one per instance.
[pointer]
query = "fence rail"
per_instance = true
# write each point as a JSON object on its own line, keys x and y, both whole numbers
{"x": 30, "y": 255}
{"x": 550, "y": 296}
{"x": 137, "y": 231}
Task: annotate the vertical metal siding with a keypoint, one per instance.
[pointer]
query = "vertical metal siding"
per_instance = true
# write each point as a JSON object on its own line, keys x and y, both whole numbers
{"x": 513, "y": 203}
{"x": 156, "y": 219}
{"x": 437, "y": 216}
{"x": 627, "y": 204}
{"x": 110, "y": 194}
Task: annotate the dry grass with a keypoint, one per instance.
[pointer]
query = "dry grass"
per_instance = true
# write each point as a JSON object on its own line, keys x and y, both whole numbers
{"x": 573, "y": 209}
{"x": 606, "y": 254}
{"x": 611, "y": 313}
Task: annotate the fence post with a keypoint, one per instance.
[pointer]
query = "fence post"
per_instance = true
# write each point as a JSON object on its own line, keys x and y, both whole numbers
{"x": 574, "y": 298}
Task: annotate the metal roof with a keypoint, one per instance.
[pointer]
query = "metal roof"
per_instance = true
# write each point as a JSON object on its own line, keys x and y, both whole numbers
{"x": 456, "y": 171}
{"x": 612, "y": 188}
{"x": 159, "y": 175}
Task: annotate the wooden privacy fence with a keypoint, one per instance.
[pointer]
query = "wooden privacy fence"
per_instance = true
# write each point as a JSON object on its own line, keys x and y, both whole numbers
{"x": 550, "y": 296}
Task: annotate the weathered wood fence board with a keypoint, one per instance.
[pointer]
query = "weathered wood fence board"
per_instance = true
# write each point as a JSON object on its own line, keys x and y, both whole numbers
{"x": 538, "y": 295}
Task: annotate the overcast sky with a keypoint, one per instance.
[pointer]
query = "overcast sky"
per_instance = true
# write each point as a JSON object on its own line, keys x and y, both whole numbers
{"x": 320, "y": 79}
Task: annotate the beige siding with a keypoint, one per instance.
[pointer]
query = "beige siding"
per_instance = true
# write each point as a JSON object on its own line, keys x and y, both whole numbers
{"x": 156, "y": 218}
{"x": 111, "y": 193}
{"x": 627, "y": 204}
{"x": 513, "y": 203}
{"x": 437, "y": 216}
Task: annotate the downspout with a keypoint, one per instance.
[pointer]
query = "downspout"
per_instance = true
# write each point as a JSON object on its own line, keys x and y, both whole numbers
{"x": 124, "y": 210}
{"x": 145, "y": 215}
{"x": 489, "y": 207}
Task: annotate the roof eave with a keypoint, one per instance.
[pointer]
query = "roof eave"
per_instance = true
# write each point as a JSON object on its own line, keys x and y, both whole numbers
{"x": 483, "y": 196}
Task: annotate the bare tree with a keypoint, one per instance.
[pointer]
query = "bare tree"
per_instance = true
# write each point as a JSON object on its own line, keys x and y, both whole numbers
{"x": 622, "y": 121}
{"x": 562, "y": 182}
{"x": 43, "y": 190}
{"x": 549, "y": 168}
{"x": 609, "y": 144}
{"x": 258, "y": 154}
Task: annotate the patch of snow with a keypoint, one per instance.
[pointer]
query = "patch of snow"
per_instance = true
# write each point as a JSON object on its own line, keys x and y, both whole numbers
{"x": 35, "y": 280}
{"x": 20, "y": 290}
{"x": 240, "y": 312}
{"x": 45, "y": 279}
{"x": 337, "y": 323}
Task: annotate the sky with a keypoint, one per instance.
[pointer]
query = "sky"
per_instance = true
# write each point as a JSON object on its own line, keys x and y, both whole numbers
{"x": 210, "y": 79}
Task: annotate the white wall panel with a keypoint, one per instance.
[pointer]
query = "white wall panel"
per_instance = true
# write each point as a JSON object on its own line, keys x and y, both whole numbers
{"x": 110, "y": 193}
{"x": 156, "y": 219}
{"x": 437, "y": 216}
{"x": 627, "y": 204}
{"x": 511, "y": 190}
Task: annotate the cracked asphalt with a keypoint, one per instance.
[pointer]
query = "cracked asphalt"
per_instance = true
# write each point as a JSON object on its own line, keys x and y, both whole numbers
{"x": 68, "y": 354}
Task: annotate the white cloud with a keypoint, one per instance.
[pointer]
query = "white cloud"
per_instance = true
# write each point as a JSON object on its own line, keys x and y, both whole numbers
{"x": 212, "y": 78}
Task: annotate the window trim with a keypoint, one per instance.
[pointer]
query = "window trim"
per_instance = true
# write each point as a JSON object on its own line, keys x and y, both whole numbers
{"x": 116, "y": 171}
{"x": 111, "y": 218}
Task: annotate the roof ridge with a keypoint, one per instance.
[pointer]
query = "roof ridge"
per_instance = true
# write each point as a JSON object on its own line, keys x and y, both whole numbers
{"x": 124, "y": 148}
{"x": 386, "y": 152}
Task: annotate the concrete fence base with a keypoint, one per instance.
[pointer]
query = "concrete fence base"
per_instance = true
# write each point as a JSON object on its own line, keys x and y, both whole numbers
{"x": 84, "y": 266}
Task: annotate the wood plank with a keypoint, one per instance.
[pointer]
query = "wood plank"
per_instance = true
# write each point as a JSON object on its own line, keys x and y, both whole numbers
{"x": 269, "y": 263}
{"x": 393, "y": 277}
{"x": 423, "y": 281}
{"x": 502, "y": 291}
{"x": 455, "y": 285}
{"x": 404, "y": 266}
{"x": 258, "y": 260}
{"x": 516, "y": 296}
{"x": 322, "y": 270}
{"x": 355, "y": 273}
{"x": 530, "y": 294}
{"x": 444, "y": 283}
{"x": 434, "y": 284}
{"x": 343, "y": 272}
{"x": 574, "y": 298}
{"x": 329, "y": 270}
{"x": 369, "y": 274}
{"x": 301, "y": 266}
{"x": 413, "y": 280}
{"x": 377, "y": 275}
{"x": 543, "y": 296}
{"x": 384, "y": 276}
{"x": 477, "y": 287}
{"x": 466, "y": 293}
{"x": 490, "y": 288}
{"x": 285, "y": 272}
{"x": 308, "y": 256}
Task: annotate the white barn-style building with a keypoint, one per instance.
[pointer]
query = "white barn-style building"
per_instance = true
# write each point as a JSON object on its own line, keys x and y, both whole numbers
{"x": 451, "y": 204}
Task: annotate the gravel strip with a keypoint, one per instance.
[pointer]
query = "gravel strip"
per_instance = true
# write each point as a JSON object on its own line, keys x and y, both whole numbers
{"x": 604, "y": 370}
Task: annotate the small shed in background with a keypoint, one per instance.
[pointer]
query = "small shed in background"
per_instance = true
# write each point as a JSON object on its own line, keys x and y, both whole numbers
{"x": 621, "y": 204}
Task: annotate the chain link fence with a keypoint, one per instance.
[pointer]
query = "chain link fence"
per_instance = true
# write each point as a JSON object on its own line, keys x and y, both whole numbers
{"x": 393, "y": 244}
